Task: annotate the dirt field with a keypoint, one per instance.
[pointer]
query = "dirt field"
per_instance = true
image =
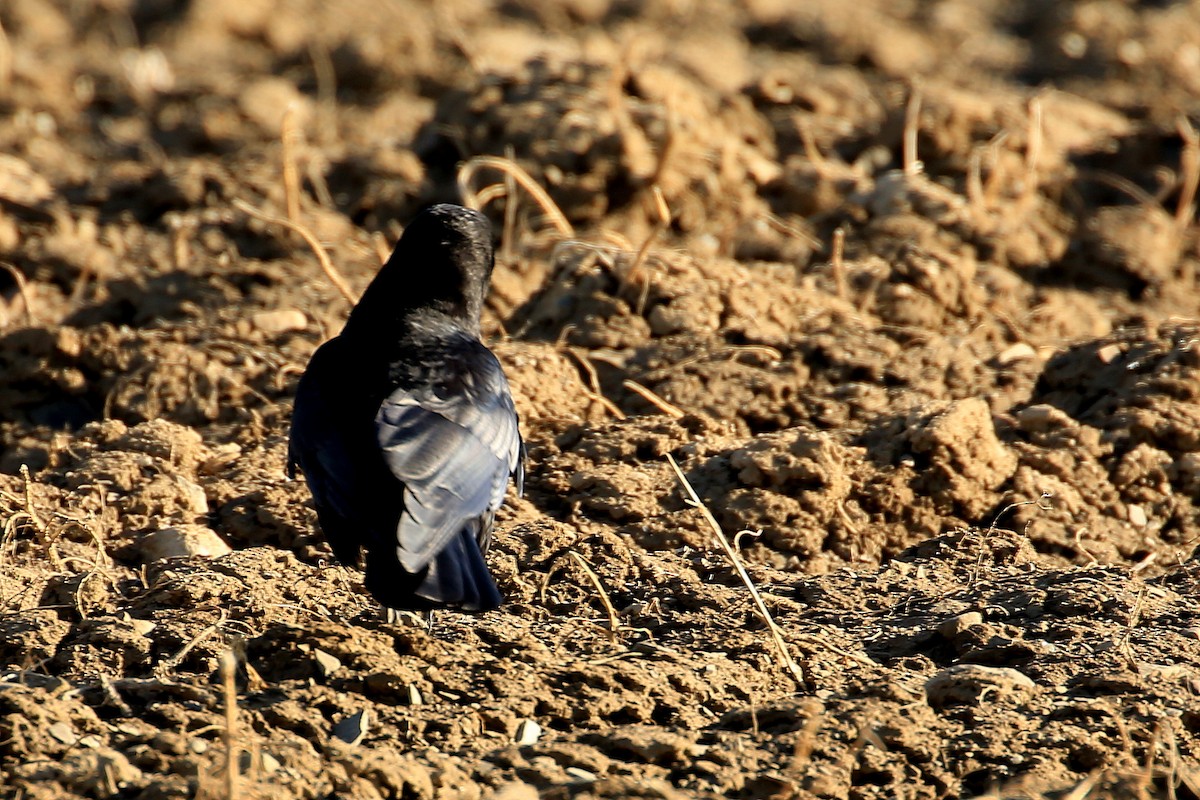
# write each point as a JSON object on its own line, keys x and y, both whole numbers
{"x": 965, "y": 447}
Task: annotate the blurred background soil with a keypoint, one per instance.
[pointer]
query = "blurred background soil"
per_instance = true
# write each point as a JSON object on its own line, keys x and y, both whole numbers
{"x": 908, "y": 290}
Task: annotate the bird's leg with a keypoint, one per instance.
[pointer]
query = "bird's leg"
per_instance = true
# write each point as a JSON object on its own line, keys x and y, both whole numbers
{"x": 392, "y": 616}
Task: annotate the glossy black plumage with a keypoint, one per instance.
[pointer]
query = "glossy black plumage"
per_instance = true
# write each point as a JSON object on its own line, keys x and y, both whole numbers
{"x": 404, "y": 426}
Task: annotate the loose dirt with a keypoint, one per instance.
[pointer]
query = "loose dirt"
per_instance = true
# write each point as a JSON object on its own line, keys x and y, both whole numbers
{"x": 959, "y": 455}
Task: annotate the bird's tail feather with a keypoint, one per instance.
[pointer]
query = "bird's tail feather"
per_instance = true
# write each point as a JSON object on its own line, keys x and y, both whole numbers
{"x": 458, "y": 578}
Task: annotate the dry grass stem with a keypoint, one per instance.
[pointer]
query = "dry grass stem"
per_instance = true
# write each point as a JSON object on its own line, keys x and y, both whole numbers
{"x": 330, "y": 271}
{"x": 737, "y": 537}
{"x": 466, "y": 176}
{"x": 668, "y": 147}
{"x": 838, "y": 265}
{"x": 992, "y": 528}
{"x": 1145, "y": 563}
{"x": 784, "y": 655}
{"x": 912, "y": 125}
{"x": 614, "y": 621}
{"x": 113, "y": 697}
{"x": 22, "y": 291}
{"x": 846, "y": 519}
{"x": 41, "y": 530}
{"x": 1125, "y": 646}
{"x": 807, "y": 739}
{"x": 289, "y": 136}
{"x": 1121, "y": 184}
{"x": 732, "y": 351}
{"x": 995, "y": 183}
{"x": 1078, "y": 539}
{"x": 181, "y": 251}
{"x": 592, "y": 388}
{"x": 975, "y": 198}
{"x": 811, "y": 151}
{"x": 788, "y": 229}
{"x": 1185, "y": 211}
{"x": 663, "y": 220}
{"x": 1082, "y": 789}
{"x": 171, "y": 663}
{"x": 508, "y": 237}
{"x": 668, "y": 408}
{"x": 326, "y": 92}
{"x": 490, "y": 194}
{"x": 228, "y": 669}
{"x": 1033, "y": 151}
{"x": 613, "y": 239}
{"x": 320, "y": 186}
{"x": 382, "y": 251}
{"x": 6, "y": 60}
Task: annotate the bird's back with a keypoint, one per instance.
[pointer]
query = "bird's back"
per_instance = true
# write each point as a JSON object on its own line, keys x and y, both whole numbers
{"x": 410, "y": 460}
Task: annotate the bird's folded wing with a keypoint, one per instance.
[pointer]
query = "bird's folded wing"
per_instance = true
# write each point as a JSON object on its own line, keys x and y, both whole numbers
{"x": 454, "y": 452}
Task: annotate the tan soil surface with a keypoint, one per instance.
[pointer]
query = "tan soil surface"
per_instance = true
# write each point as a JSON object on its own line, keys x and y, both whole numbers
{"x": 967, "y": 452}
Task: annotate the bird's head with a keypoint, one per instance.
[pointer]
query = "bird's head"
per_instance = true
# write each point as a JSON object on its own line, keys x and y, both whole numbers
{"x": 442, "y": 263}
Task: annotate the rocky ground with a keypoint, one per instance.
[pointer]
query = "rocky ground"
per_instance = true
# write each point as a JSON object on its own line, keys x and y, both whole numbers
{"x": 907, "y": 290}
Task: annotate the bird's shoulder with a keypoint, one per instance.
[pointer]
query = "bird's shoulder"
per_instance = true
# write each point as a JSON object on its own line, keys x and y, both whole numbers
{"x": 446, "y": 366}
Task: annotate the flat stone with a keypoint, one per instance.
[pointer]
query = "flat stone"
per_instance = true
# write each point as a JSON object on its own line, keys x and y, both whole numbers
{"x": 975, "y": 684}
{"x": 182, "y": 541}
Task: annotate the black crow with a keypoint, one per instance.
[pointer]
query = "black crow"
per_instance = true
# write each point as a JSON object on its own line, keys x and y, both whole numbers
{"x": 404, "y": 426}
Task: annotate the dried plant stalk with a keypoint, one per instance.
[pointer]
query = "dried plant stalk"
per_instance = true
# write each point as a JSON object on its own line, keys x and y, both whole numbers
{"x": 781, "y": 648}
{"x": 1185, "y": 211}
{"x": 466, "y": 175}
{"x": 331, "y": 272}
{"x": 660, "y": 224}
{"x": 614, "y": 621}
{"x": 665, "y": 406}
{"x": 228, "y": 667}
{"x": 22, "y": 291}
{"x": 1033, "y": 151}
{"x": 838, "y": 264}
{"x": 289, "y": 136}
{"x": 912, "y": 124}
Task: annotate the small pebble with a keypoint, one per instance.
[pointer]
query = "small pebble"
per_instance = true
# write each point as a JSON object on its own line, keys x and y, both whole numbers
{"x": 63, "y": 732}
{"x": 1108, "y": 353}
{"x": 143, "y": 626}
{"x": 280, "y": 320}
{"x": 580, "y": 774}
{"x": 327, "y": 664}
{"x": 353, "y": 729}
{"x": 1043, "y": 417}
{"x": 528, "y": 732}
{"x": 955, "y": 625}
{"x": 1021, "y": 351}
{"x": 974, "y": 685}
{"x": 270, "y": 763}
{"x": 182, "y": 541}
